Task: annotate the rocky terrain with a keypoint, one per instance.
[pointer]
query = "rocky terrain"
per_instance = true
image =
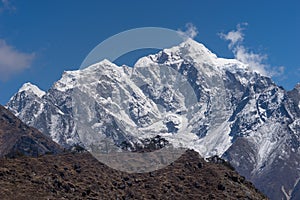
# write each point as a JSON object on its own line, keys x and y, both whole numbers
{"x": 81, "y": 176}
{"x": 185, "y": 94}
{"x": 33, "y": 166}
{"x": 18, "y": 139}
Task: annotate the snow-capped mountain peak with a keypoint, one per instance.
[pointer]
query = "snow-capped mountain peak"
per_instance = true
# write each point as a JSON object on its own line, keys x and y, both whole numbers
{"x": 213, "y": 105}
{"x": 188, "y": 50}
{"x": 67, "y": 81}
{"x": 104, "y": 63}
{"x": 28, "y": 87}
{"x": 196, "y": 54}
{"x": 71, "y": 79}
{"x": 195, "y": 48}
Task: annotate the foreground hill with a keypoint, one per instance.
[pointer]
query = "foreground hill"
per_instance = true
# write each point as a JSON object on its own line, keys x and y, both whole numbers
{"x": 81, "y": 176}
{"x": 185, "y": 94}
{"x": 17, "y": 139}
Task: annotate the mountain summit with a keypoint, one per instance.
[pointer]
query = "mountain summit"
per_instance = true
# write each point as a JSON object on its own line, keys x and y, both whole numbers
{"x": 28, "y": 87}
{"x": 187, "y": 95}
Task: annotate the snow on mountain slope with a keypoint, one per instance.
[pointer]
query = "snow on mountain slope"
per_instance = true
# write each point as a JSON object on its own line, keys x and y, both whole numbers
{"x": 28, "y": 87}
{"x": 28, "y": 98}
{"x": 187, "y": 95}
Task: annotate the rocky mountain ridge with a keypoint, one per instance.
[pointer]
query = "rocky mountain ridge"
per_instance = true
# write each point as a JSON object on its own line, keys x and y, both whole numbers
{"x": 18, "y": 139}
{"x": 187, "y": 95}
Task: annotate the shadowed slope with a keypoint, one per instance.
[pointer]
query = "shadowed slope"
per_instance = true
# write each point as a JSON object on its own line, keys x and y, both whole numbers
{"x": 16, "y": 138}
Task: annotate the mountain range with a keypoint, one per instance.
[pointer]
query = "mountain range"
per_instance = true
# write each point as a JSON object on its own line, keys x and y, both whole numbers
{"x": 185, "y": 94}
{"x": 33, "y": 166}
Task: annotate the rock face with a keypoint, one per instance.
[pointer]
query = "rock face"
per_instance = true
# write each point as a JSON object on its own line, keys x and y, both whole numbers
{"x": 80, "y": 176}
{"x": 18, "y": 139}
{"x": 187, "y": 95}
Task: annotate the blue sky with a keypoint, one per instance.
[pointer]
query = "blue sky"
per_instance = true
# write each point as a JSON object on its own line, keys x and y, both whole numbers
{"x": 41, "y": 39}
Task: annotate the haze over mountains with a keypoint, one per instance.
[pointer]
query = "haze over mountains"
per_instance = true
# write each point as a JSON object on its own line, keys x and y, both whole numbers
{"x": 187, "y": 95}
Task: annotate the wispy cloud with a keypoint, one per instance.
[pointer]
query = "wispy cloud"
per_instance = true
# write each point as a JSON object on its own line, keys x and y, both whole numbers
{"x": 256, "y": 61}
{"x": 12, "y": 61}
{"x": 7, "y": 5}
{"x": 297, "y": 72}
{"x": 234, "y": 37}
{"x": 189, "y": 32}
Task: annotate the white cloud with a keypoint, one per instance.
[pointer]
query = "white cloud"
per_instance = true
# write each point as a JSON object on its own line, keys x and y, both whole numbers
{"x": 12, "y": 61}
{"x": 255, "y": 61}
{"x": 7, "y": 5}
{"x": 277, "y": 71}
{"x": 190, "y": 32}
{"x": 234, "y": 36}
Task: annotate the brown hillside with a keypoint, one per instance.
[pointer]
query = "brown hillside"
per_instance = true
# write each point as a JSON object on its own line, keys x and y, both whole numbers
{"x": 81, "y": 176}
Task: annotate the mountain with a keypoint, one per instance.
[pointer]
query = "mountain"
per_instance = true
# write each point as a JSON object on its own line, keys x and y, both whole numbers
{"x": 81, "y": 176}
{"x": 18, "y": 139}
{"x": 185, "y": 94}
